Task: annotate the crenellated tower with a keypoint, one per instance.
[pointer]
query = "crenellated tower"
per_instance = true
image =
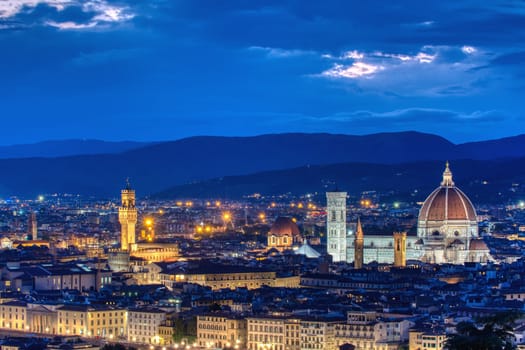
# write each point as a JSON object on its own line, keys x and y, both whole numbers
{"x": 127, "y": 216}
{"x": 359, "y": 245}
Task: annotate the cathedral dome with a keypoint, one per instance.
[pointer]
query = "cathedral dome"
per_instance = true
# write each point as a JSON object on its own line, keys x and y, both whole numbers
{"x": 447, "y": 202}
{"x": 284, "y": 226}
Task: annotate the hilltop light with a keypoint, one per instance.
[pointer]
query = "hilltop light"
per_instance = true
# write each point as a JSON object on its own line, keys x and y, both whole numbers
{"x": 40, "y": 198}
{"x": 522, "y": 204}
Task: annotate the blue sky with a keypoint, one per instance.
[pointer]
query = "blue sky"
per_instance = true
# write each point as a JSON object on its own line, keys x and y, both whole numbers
{"x": 166, "y": 69}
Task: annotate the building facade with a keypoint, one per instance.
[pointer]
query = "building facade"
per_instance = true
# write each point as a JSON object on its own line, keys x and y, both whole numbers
{"x": 447, "y": 232}
{"x": 221, "y": 331}
{"x": 91, "y": 321}
{"x": 143, "y": 325}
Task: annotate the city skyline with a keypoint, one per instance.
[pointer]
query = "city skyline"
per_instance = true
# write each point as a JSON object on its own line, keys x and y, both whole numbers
{"x": 160, "y": 70}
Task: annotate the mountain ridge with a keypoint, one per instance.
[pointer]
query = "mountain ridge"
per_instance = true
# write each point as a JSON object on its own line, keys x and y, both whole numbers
{"x": 156, "y": 167}
{"x": 68, "y": 147}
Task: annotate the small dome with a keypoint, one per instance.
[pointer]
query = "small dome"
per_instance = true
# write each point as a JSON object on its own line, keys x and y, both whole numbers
{"x": 478, "y": 244}
{"x": 447, "y": 202}
{"x": 284, "y": 226}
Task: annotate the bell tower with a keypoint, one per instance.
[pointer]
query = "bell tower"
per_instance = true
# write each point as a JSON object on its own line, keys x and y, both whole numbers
{"x": 359, "y": 246}
{"x": 400, "y": 249}
{"x": 336, "y": 225}
{"x": 127, "y": 216}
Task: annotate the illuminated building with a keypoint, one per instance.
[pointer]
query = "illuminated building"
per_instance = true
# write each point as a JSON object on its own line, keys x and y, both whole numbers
{"x": 447, "y": 226}
{"x": 447, "y": 232}
{"x": 336, "y": 225}
{"x": 127, "y": 216}
{"x": 119, "y": 260}
{"x": 273, "y": 333}
{"x": 283, "y": 234}
{"x": 372, "y": 330}
{"x": 13, "y": 315}
{"x": 400, "y": 249}
{"x": 57, "y": 277}
{"x": 307, "y": 251}
{"x": 166, "y": 332}
{"x": 215, "y": 276}
{"x": 32, "y": 226}
{"x": 91, "y": 321}
{"x": 221, "y": 331}
{"x": 143, "y": 325}
{"x": 156, "y": 252}
{"x": 42, "y": 318}
{"x": 427, "y": 340}
{"x": 358, "y": 246}
{"x": 148, "y": 232}
{"x": 318, "y": 333}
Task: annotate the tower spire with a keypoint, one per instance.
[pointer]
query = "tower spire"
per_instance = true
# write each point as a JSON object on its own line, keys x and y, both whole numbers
{"x": 447, "y": 176}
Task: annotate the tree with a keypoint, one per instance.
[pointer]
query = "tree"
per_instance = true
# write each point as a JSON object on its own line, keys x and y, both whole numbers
{"x": 487, "y": 333}
{"x": 178, "y": 330}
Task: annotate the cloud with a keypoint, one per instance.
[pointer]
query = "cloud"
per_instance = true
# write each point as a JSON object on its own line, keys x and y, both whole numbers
{"x": 420, "y": 115}
{"x": 434, "y": 70}
{"x": 71, "y": 25}
{"x": 10, "y": 8}
{"x": 274, "y": 52}
{"x": 92, "y": 13}
{"x": 355, "y": 70}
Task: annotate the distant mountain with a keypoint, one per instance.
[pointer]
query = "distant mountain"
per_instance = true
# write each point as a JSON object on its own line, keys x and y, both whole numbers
{"x": 483, "y": 181}
{"x": 67, "y": 148}
{"x": 156, "y": 167}
{"x": 508, "y": 147}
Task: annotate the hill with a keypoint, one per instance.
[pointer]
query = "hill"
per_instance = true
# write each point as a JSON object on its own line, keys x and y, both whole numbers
{"x": 156, "y": 167}
{"x": 484, "y": 181}
{"x": 64, "y": 148}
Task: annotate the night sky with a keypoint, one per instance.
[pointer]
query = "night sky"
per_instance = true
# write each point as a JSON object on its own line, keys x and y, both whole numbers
{"x": 166, "y": 69}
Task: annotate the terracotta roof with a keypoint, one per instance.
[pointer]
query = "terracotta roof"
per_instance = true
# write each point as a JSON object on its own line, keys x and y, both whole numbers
{"x": 284, "y": 226}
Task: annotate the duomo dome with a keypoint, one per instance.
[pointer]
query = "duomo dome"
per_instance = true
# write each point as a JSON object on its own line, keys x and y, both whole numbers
{"x": 447, "y": 226}
{"x": 447, "y": 202}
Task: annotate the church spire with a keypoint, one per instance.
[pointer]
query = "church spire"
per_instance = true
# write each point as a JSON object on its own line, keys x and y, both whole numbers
{"x": 447, "y": 177}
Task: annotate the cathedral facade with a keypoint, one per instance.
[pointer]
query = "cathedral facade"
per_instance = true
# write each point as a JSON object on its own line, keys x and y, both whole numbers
{"x": 447, "y": 232}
